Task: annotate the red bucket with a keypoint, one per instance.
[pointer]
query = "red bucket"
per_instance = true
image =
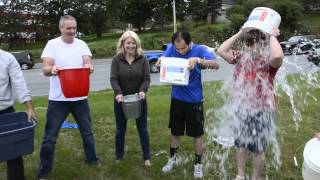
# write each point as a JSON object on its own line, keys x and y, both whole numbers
{"x": 74, "y": 82}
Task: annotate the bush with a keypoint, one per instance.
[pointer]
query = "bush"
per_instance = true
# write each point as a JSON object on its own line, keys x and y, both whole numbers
{"x": 236, "y": 9}
{"x": 210, "y": 34}
{"x": 290, "y": 12}
{"x": 151, "y": 42}
{"x": 190, "y": 25}
{"x": 4, "y": 46}
{"x": 103, "y": 52}
{"x": 237, "y": 21}
{"x": 155, "y": 40}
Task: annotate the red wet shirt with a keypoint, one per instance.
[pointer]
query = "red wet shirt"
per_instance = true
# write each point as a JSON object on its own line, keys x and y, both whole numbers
{"x": 254, "y": 80}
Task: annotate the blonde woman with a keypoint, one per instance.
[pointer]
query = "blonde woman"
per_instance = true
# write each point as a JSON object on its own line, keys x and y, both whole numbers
{"x": 130, "y": 74}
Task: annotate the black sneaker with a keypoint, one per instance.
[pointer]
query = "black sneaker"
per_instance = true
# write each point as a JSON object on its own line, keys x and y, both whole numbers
{"x": 94, "y": 163}
{"x": 43, "y": 178}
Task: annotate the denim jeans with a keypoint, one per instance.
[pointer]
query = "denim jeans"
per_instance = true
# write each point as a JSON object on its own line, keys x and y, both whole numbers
{"x": 56, "y": 114}
{"x": 15, "y": 169}
{"x": 121, "y": 127}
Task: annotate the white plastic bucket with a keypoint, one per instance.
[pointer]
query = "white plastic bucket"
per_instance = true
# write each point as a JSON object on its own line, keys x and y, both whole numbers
{"x": 311, "y": 162}
{"x": 264, "y": 19}
{"x": 174, "y": 71}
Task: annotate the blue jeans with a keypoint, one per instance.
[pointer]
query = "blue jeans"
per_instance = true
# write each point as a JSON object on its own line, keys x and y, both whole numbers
{"x": 56, "y": 114}
{"x": 121, "y": 127}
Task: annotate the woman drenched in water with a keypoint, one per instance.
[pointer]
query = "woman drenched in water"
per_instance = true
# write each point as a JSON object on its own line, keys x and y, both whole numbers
{"x": 256, "y": 64}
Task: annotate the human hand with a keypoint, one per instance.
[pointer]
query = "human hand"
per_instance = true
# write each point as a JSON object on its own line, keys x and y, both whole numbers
{"x": 275, "y": 32}
{"x": 90, "y": 66}
{"x": 54, "y": 70}
{"x": 142, "y": 95}
{"x": 31, "y": 115}
{"x": 119, "y": 98}
{"x": 158, "y": 63}
{"x": 193, "y": 61}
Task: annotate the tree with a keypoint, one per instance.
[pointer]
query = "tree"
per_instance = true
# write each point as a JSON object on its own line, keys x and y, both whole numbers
{"x": 290, "y": 11}
{"x": 137, "y": 12}
{"x": 98, "y": 14}
{"x": 162, "y": 12}
{"x": 214, "y": 7}
{"x": 198, "y": 9}
{"x": 309, "y": 5}
{"x": 16, "y": 22}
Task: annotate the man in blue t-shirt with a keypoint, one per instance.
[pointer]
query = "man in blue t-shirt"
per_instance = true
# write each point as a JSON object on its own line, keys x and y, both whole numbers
{"x": 186, "y": 111}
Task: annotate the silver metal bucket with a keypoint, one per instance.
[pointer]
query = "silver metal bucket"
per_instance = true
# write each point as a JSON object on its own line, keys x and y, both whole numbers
{"x": 131, "y": 106}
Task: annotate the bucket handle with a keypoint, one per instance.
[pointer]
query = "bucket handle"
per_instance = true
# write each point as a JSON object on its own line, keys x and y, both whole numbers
{"x": 21, "y": 129}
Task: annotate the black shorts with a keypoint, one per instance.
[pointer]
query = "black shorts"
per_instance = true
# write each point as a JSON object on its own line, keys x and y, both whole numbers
{"x": 186, "y": 117}
{"x": 255, "y": 131}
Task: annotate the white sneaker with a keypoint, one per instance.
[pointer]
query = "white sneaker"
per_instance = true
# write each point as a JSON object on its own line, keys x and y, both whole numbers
{"x": 198, "y": 171}
{"x": 170, "y": 164}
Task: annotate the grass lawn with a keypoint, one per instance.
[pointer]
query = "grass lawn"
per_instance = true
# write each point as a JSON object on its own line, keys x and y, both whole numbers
{"x": 312, "y": 21}
{"x": 69, "y": 159}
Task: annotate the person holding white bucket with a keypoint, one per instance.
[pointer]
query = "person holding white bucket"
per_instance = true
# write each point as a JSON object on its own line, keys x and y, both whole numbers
{"x": 130, "y": 75}
{"x": 63, "y": 51}
{"x": 186, "y": 110}
{"x": 256, "y": 65}
{"x": 13, "y": 85}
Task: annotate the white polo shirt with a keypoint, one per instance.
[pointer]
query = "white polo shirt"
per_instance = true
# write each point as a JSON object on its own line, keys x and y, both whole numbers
{"x": 64, "y": 55}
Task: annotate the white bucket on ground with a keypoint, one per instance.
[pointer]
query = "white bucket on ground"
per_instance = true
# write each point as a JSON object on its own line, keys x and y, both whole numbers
{"x": 225, "y": 141}
{"x": 174, "y": 71}
{"x": 264, "y": 19}
{"x": 311, "y": 163}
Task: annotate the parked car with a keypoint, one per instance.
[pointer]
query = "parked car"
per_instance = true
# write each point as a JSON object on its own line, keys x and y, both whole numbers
{"x": 314, "y": 57}
{"x": 25, "y": 59}
{"x": 289, "y": 46}
{"x": 153, "y": 56}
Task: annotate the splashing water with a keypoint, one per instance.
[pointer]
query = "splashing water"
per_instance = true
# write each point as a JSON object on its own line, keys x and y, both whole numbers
{"x": 248, "y": 95}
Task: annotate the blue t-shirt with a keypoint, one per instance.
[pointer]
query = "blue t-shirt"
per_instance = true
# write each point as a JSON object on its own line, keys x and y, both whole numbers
{"x": 192, "y": 93}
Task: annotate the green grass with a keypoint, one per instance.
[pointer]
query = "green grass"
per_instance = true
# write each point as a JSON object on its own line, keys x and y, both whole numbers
{"x": 68, "y": 164}
{"x": 312, "y": 22}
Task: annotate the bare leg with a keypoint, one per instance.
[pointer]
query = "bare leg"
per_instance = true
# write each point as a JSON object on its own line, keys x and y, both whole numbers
{"x": 198, "y": 143}
{"x": 174, "y": 141}
{"x": 258, "y": 164}
{"x": 241, "y": 158}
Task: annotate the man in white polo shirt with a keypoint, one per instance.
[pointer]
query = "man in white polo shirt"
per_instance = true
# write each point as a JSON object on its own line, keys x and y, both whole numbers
{"x": 63, "y": 51}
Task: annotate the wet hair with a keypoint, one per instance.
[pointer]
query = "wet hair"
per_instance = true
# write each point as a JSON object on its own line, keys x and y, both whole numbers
{"x": 65, "y": 18}
{"x": 181, "y": 35}
{"x": 253, "y": 36}
{"x": 124, "y": 37}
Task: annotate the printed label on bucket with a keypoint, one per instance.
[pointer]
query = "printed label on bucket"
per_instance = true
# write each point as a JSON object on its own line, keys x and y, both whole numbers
{"x": 174, "y": 71}
{"x": 264, "y": 19}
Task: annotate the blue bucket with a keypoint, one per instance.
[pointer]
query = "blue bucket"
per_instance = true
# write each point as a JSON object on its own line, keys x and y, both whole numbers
{"x": 16, "y": 135}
